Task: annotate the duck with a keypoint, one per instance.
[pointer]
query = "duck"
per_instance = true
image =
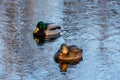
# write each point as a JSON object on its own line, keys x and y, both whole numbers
{"x": 46, "y": 31}
{"x": 68, "y": 55}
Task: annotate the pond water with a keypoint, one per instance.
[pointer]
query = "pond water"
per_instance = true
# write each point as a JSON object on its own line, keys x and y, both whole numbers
{"x": 92, "y": 25}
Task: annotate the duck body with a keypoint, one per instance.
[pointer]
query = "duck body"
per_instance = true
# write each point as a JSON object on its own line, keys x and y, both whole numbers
{"x": 46, "y": 31}
{"x": 73, "y": 57}
{"x": 52, "y": 31}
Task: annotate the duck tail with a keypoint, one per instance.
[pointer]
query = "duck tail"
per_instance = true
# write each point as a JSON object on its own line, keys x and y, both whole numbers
{"x": 57, "y": 27}
{"x": 81, "y": 59}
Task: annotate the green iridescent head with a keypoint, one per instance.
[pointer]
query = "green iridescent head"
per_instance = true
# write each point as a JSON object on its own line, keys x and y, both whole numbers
{"x": 41, "y": 25}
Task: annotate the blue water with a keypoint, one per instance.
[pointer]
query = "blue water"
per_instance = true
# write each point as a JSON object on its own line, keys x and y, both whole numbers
{"x": 92, "y": 25}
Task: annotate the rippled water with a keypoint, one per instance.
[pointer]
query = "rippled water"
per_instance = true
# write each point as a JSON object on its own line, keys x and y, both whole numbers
{"x": 92, "y": 25}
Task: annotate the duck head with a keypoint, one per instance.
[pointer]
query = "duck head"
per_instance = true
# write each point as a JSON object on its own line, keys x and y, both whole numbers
{"x": 40, "y": 27}
{"x": 64, "y": 49}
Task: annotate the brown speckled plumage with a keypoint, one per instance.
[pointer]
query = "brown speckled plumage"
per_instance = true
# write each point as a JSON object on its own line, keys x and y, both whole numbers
{"x": 73, "y": 57}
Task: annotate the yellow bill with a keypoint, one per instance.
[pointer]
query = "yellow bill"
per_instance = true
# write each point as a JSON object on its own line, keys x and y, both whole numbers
{"x": 36, "y": 30}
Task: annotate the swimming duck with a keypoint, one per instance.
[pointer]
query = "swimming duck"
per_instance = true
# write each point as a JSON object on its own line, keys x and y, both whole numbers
{"x": 68, "y": 55}
{"x": 46, "y": 31}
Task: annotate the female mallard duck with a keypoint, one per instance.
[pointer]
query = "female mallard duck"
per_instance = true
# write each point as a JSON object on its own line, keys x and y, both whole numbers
{"x": 68, "y": 55}
{"x": 46, "y": 31}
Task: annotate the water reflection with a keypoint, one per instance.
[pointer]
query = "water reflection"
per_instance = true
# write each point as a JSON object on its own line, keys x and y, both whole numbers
{"x": 71, "y": 21}
{"x": 25, "y": 56}
{"x": 49, "y": 11}
{"x": 71, "y": 13}
{"x": 40, "y": 41}
{"x": 10, "y": 17}
{"x": 19, "y": 58}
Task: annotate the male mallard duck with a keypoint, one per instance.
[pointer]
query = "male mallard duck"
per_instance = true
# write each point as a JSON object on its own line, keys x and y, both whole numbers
{"x": 46, "y": 31}
{"x": 68, "y": 55}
